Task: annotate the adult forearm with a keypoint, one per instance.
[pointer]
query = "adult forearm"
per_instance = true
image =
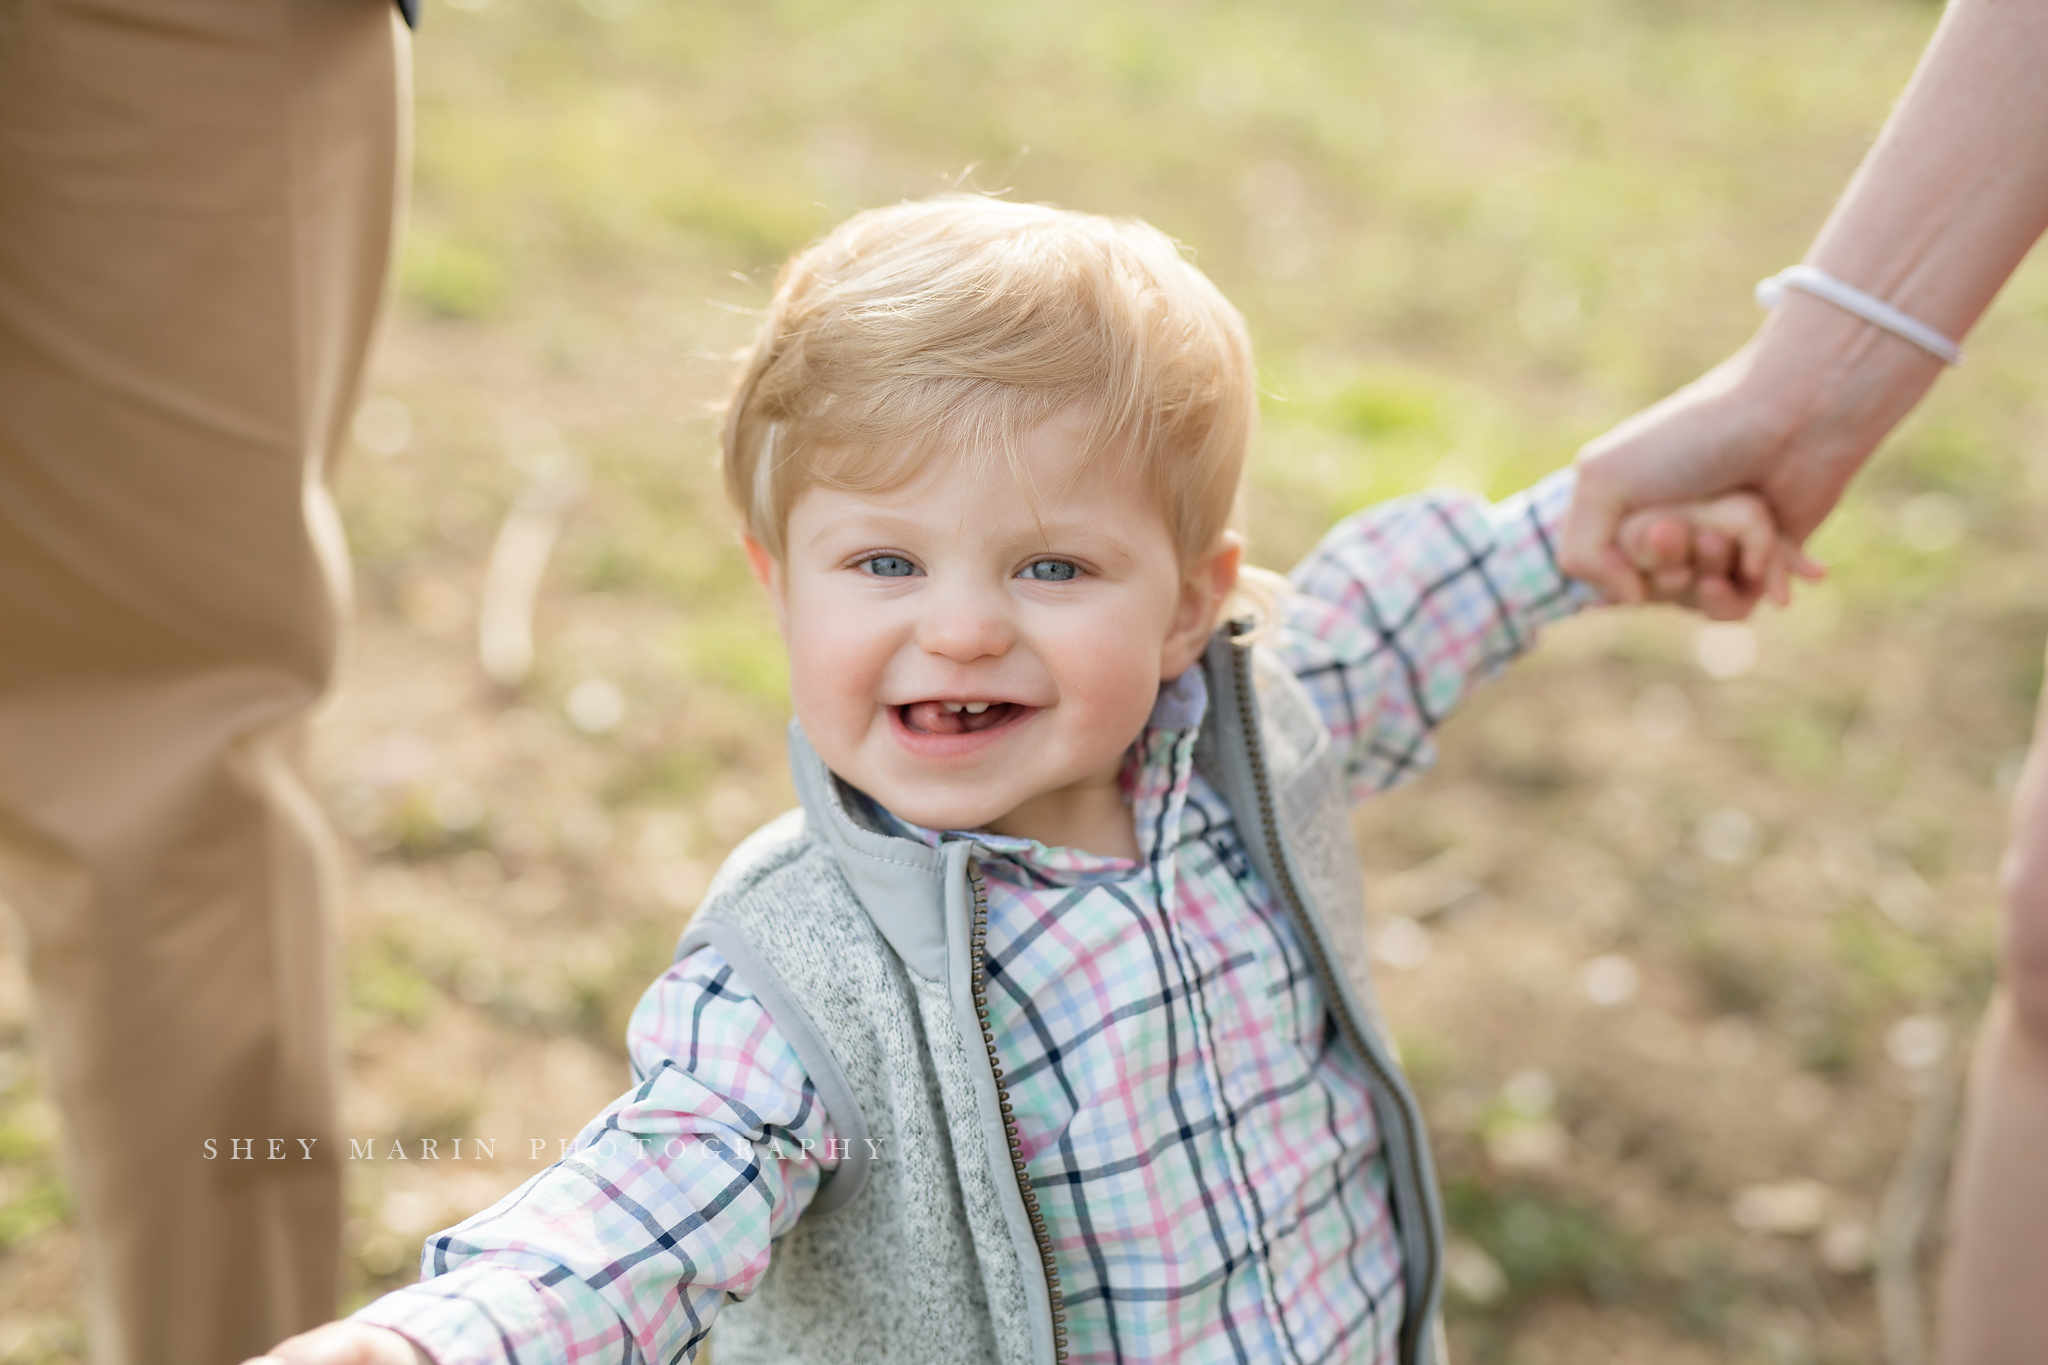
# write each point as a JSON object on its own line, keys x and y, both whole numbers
{"x": 1947, "y": 203}
{"x": 1955, "y": 190}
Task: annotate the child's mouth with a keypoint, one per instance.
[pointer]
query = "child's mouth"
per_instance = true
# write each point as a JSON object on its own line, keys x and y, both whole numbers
{"x": 955, "y": 718}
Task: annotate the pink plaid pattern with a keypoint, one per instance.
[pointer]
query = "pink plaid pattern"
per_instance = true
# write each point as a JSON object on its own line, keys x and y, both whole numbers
{"x": 1204, "y": 1151}
{"x": 668, "y": 1202}
{"x": 1202, "y": 1144}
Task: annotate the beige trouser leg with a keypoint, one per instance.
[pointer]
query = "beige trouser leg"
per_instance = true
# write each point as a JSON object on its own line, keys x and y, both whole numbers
{"x": 196, "y": 209}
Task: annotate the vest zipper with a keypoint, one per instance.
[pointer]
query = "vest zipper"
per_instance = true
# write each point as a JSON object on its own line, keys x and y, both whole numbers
{"x": 1240, "y": 660}
{"x": 979, "y": 981}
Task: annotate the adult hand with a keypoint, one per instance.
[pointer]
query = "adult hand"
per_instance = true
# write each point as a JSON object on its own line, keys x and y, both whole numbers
{"x": 344, "y": 1343}
{"x": 1790, "y": 417}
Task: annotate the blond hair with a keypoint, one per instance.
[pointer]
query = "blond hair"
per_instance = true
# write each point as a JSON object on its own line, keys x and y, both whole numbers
{"x": 961, "y": 322}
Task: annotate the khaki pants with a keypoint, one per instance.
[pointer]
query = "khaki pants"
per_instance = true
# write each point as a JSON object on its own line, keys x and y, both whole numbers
{"x": 197, "y": 200}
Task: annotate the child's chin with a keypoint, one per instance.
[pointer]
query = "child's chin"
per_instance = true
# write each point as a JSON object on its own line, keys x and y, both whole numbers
{"x": 936, "y": 810}
{"x": 944, "y": 816}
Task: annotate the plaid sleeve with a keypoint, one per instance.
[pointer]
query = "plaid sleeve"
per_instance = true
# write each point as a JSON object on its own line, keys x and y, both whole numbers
{"x": 664, "y": 1208}
{"x": 1404, "y": 606}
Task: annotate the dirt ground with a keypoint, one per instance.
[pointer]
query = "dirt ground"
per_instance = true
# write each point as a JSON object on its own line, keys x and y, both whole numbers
{"x": 1685, "y": 938}
{"x": 1673, "y": 937}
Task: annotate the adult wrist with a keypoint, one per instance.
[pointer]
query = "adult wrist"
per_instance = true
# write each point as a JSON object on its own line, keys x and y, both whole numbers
{"x": 1811, "y": 279}
{"x": 1822, "y": 383}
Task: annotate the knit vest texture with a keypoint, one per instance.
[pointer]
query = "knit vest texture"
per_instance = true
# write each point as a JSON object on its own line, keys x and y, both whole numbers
{"x": 920, "y": 1249}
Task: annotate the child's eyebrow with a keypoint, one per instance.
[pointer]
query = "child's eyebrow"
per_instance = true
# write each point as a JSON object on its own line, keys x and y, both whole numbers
{"x": 1048, "y": 536}
{"x": 1086, "y": 539}
{"x": 1095, "y": 536}
{"x": 864, "y": 525}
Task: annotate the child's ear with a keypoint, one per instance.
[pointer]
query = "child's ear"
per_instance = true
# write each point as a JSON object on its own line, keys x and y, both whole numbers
{"x": 1203, "y": 589}
{"x": 768, "y": 573}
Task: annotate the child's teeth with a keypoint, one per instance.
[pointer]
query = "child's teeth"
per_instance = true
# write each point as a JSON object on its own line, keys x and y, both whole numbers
{"x": 953, "y": 708}
{"x": 975, "y": 708}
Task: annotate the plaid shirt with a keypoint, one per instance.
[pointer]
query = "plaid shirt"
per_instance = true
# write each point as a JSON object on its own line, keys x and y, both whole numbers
{"x": 1206, "y": 1155}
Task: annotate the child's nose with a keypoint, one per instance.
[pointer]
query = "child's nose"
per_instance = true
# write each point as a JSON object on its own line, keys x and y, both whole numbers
{"x": 965, "y": 626}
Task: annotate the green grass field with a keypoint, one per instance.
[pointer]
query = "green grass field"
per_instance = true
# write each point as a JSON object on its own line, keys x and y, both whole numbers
{"x": 1688, "y": 926}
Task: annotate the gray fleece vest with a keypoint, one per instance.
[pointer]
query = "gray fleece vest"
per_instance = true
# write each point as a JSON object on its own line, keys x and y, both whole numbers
{"x": 926, "y": 1245}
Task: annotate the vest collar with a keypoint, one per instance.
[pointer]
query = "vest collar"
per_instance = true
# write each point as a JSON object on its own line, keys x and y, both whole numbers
{"x": 900, "y": 882}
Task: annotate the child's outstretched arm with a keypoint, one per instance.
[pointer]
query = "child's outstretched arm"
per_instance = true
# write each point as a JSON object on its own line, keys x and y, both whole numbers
{"x": 663, "y": 1210}
{"x": 1406, "y": 605}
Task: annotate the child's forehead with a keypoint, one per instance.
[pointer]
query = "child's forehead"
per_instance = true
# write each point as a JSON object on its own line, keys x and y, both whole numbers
{"x": 1059, "y": 463}
{"x": 1048, "y": 495}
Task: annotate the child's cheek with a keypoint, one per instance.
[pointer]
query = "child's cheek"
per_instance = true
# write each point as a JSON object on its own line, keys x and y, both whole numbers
{"x": 835, "y": 657}
{"x": 1112, "y": 667}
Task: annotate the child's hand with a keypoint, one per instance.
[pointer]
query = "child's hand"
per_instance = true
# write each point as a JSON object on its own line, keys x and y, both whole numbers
{"x": 344, "y": 1343}
{"x": 1720, "y": 557}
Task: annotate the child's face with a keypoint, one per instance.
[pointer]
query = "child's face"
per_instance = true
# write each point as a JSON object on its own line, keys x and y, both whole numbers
{"x": 1055, "y": 624}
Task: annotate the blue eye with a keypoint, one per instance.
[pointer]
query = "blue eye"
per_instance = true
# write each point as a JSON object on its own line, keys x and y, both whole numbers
{"x": 1049, "y": 571}
{"x": 889, "y": 566}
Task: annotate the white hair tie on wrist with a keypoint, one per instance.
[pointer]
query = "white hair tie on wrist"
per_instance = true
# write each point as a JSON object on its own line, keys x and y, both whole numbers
{"x": 1822, "y": 285}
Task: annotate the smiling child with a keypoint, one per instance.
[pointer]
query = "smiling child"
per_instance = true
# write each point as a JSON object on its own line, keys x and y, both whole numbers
{"x": 1042, "y": 1031}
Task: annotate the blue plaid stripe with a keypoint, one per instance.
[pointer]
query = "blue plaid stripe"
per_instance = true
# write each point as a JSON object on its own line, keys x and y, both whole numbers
{"x": 1407, "y": 605}
{"x": 1204, "y": 1149}
{"x": 668, "y": 1202}
{"x": 1206, "y": 1157}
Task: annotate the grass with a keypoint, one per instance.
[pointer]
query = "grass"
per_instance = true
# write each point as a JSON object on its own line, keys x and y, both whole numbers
{"x": 1544, "y": 1244}
{"x": 1468, "y": 235}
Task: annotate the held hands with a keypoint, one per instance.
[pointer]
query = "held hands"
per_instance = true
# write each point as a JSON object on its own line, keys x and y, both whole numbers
{"x": 1719, "y": 556}
{"x": 1790, "y": 417}
{"x": 344, "y": 1343}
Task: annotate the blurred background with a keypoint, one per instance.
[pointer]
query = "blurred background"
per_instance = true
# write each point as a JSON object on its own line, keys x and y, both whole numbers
{"x": 1685, "y": 939}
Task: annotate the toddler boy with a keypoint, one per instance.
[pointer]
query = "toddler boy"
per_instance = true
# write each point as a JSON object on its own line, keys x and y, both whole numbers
{"x": 1042, "y": 1032}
